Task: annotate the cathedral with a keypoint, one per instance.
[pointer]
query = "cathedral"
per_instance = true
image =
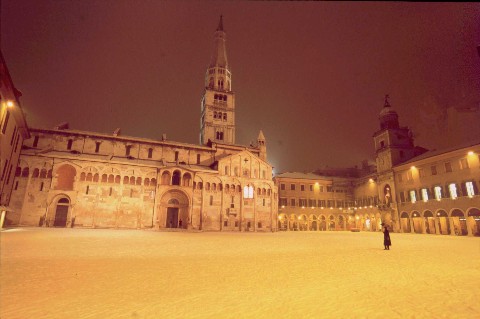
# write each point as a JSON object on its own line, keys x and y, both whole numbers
{"x": 73, "y": 178}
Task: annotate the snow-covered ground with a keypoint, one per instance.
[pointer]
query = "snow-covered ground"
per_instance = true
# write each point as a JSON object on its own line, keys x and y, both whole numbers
{"x": 92, "y": 273}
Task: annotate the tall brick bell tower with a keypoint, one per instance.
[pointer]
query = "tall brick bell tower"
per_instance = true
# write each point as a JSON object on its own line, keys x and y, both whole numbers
{"x": 217, "y": 122}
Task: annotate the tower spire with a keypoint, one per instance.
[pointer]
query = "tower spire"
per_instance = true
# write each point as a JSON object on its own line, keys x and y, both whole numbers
{"x": 220, "y": 24}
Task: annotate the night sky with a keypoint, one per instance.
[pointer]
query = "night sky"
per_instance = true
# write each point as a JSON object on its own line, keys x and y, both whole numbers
{"x": 311, "y": 75}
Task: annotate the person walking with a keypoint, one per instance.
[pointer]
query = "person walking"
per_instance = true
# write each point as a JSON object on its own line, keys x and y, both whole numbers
{"x": 386, "y": 238}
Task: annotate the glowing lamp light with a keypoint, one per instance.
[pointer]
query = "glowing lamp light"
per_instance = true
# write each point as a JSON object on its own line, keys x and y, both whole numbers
{"x": 331, "y": 207}
{"x": 283, "y": 206}
{"x": 370, "y": 180}
{"x": 470, "y": 153}
{"x": 9, "y": 103}
{"x": 303, "y": 207}
{"x": 412, "y": 167}
{"x": 357, "y": 217}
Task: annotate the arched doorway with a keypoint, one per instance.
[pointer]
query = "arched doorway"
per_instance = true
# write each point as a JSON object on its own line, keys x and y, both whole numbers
{"x": 405, "y": 222}
{"x": 341, "y": 223}
{"x": 61, "y": 212}
{"x": 443, "y": 223}
{"x": 429, "y": 222}
{"x": 323, "y": 223}
{"x": 175, "y": 209}
{"x": 282, "y": 222}
{"x": 302, "y": 222}
{"x": 459, "y": 222}
{"x": 314, "y": 222}
{"x": 474, "y": 221}
{"x": 331, "y": 225}
{"x": 417, "y": 222}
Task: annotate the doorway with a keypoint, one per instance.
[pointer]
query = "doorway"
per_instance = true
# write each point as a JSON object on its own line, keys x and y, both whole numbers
{"x": 172, "y": 217}
{"x": 61, "y": 213}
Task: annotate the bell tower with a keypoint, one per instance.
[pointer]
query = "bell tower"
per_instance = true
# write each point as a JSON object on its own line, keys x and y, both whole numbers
{"x": 393, "y": 144}
{"x": 217, "y": 123}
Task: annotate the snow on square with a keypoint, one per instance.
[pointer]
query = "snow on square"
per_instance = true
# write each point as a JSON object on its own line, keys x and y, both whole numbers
{"x": 98, "y": 273}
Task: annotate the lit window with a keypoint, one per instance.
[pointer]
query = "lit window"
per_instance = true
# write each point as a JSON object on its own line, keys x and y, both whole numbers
{"x": 453, "y": 190}
{"x": 409, "y": 175}
{"x": 248, "y": 191}
{"x": 413, "y": 196}
{"x": 463, "y": 163}
{"x": 438, "y": 192}
{"x": 425, "y": 194}
{"x": 470, "y": 189}
{"x": 421, "y": 172}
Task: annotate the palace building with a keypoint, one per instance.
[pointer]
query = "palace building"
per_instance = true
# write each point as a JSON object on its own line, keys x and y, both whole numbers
{"x": 73, "y": 178}
{"x": 13, "y": 130}
{"x": 409, "y": 189}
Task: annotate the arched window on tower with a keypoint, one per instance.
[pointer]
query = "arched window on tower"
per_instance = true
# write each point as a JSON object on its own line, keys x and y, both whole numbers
{"x": 210, "y": 83}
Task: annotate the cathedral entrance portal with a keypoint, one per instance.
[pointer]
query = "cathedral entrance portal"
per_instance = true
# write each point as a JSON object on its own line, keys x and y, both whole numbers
{"x": 172, "y": 217}
{"x": 61, "y": 213}
{"x": 175, "y": 210}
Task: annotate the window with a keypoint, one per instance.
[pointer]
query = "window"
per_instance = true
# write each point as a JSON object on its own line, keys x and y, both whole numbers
{"x": 69, "y": 144}
{"x": 41, "y": 186}
{"x": 321, "y": 188}
{"x": 13, "y": 135}
{"x": 88, "y": 188}
{"x": 421, "y": 172}
{"x": 16, "y": 144}
{"x": 5, "y": 122}
{"x": 425, "y": 194}
{"x": 110, "y": 193}
{"x": 127, "y": 150}
{"x": 469, "y": 186}
{"x": 452, "y": 188}
{"x": 402, "y": 197}
{"x": 413, "y": 196}
{"x": 176, "y": 156}
{"x": 409, "y": 176}
{"x": 259, "y": 225}
{"x": 382, "y": 144}
{"x": 463, "y": 163}
{"x": 16, "y": 185}
{"x": 282, "y": 187}
{"x": 224, "y": 116}
{"x": 4, "y": 170}
{"x": 150, "y": 152}
{"x": 292, "y": 187}
{"x": 321, "y": 203}
{"x": 433, "y": 170}
{"x": 248, "y": 191}
{"x": 97, "y": 147}
{"x": 438, "y": 192}
{"x": 211, "y": 200}
{"x": 302, "y": 188}
{"x": 448, "y": 167}
{"x": 282, "y": 202}
{"x": 264, "y": 202}
{"x": 198, "y": 159}
{"x": 329, "y": 189}
{"x": 311, "y": 188}
{"x": 302, "y": 202}
{"x": 292, "y": 202}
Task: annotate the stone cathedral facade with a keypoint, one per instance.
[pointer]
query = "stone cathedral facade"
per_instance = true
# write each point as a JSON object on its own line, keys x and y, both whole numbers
{"x": 72, "y": 178}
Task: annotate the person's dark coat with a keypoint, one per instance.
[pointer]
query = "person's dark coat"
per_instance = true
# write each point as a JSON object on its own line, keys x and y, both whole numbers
{"x": 386, "y": 237}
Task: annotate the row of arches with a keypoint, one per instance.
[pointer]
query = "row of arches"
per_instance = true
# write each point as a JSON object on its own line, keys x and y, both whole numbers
{"x": 116, "y": 179}
{"x": 441, "y": 222}
{"x": 37, "y": 173}
{"x": 293, "y": 222}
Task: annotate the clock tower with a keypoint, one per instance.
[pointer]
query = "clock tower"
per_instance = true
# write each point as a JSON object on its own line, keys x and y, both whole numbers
{"x": 217, "y": 123}
{"x": 393, "y": 144}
